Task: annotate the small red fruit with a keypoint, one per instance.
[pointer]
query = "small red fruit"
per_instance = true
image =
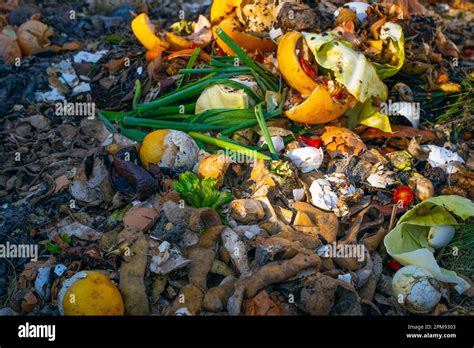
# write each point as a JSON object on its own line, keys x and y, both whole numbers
{"x": 219, "y": 52}
{"x": 317, "y": 143}
{"x": 467, "y": 52}
{"x": 403, "y": 196}
{"x": 394, "y": 265}
{"x": 337, "y": 96}
{"x": 192, "y": 46}
{"x": 467, "y": 136}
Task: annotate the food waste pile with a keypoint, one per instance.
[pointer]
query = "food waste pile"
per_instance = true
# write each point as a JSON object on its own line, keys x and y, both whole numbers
{"x": 234, "y": 157}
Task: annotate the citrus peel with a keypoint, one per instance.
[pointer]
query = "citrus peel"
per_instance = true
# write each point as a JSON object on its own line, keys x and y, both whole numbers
{"x": 146, "y": 34}
{"x": 290, "y": 67}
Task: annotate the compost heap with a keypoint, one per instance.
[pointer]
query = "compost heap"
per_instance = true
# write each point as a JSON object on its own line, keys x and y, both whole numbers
{"x": 250, "y": 158}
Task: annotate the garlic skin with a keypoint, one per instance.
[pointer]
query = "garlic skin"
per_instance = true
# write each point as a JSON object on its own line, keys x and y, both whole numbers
{"x": 422, "y": 187}
{"x": 277, "y": 141}
{"x": 440, "y": 236}
{"x": 416, "y": 289}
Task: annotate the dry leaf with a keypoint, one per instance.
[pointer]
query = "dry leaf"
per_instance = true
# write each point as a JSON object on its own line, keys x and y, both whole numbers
{"x": 33, "y": 37}
{"x": 9, "y": 49}
{"x": 398, "y": 132}
{"x": 261, "y": 304}
{"x": 114, "y": 65}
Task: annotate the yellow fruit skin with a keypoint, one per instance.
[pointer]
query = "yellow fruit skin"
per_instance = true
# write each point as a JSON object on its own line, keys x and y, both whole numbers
{"x": 152, "y": 148}
{"x": 249, "y": 43}
{"x": 178, "y": 43}
{"x": 319, "y": 107}
{"x": 143, "y": 30}
{"x": 93, "y": 295}
{"x": 222, "y": 8}
{"x": 290, "y": 66}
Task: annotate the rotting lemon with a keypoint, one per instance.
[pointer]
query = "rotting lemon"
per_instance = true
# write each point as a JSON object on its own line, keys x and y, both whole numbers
{"x": 90, "y": 293}
{"x": 169, "y": 148}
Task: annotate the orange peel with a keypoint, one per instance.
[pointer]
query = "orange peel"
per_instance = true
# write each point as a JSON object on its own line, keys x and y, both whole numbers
{"x": 290, "y": 66}
{"x": 201, "y": 36}
{"x": 146, "y": 34}
{"x": 222, "y": 9}
{"x": 248, "y": 42}
{"x": 318, "y": 108}
{"x": 187, "y": 53}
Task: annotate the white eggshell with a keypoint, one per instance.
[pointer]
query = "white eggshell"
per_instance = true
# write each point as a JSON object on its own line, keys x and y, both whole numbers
{"x": 306, "y": 158}
{"x": 440, "y": 236}
{"x": 180, "y": 150}
{"x": 416, "y": 289}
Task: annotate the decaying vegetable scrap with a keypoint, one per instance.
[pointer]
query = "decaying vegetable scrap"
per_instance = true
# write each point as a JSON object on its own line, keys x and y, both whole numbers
{"x": 254, "y": 158}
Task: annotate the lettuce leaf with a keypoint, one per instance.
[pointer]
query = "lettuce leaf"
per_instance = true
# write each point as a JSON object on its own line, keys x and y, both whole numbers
{"x": 366, "y": 114}
{"x": 408, "y": 241}
{"x": 201, "y": 193}
{"x": 393, "y": 34}
{"x": 350, "y": 68}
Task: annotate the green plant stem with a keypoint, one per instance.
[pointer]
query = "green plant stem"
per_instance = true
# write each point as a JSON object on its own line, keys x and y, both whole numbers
{"x": 228, "y": 145}
{"x": 189, "y": 65}
{"x": 266, "y": 134}
{"x": 245, "y": 58}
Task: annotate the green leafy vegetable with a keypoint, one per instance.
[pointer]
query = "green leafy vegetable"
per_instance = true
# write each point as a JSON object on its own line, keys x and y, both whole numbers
{"x": 366, "y": 114}
{"x": 408, "y": 242}
{"x": 350, "y": 68}
{"x": 53, "y": 248}
{"x": 201, "y": 193}
{"x": 393, "y": 34}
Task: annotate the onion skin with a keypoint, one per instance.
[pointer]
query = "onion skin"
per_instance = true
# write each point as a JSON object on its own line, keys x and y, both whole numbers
{"x": 422, "y": 187}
